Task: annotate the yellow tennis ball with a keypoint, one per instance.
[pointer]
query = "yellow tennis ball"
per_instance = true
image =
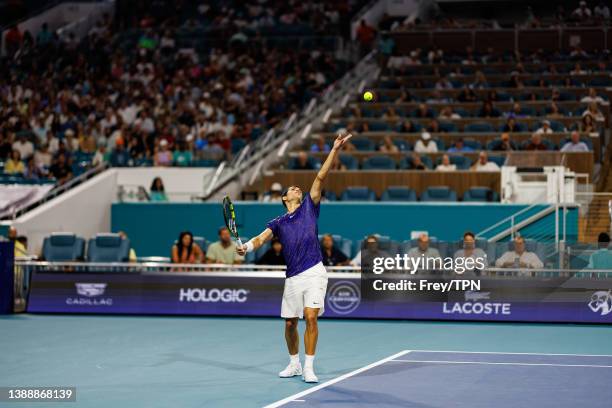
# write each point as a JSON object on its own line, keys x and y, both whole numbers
{"x": 368, "y": 96}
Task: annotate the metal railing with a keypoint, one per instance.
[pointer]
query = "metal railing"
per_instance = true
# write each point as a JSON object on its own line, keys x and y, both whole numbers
{"x": 60, "y": 189}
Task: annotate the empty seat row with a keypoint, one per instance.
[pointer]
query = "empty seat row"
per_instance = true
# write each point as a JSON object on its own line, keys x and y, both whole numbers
{"x": 406, "y": 194}
{"x": 104, "y": 247}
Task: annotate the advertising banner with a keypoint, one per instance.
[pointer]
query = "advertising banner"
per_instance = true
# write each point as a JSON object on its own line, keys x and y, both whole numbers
{"x": 533, "y": 299}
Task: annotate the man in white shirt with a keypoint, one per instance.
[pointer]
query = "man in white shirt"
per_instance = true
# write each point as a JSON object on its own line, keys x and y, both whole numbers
{"x": 446, "y": 164}
{"x": 575, "y": 144}
{"x": 483, "y": 163}
{"x": 426, "y": 252}
{"x": 582, "y": 12}
{"x": 519, "y": 258}
{"x": 545, "y": 129}
{"x": 602, "y": 11}
{"x": 24, "y": 146}
{"x": 425, "y": 144}
{"x": 592, "y": 97}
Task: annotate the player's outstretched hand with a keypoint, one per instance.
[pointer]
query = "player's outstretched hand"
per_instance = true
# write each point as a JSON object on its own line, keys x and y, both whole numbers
{"x": 241, "y": 249}
{"x": 341, "y": 139}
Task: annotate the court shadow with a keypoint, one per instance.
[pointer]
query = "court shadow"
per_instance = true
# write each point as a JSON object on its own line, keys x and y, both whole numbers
{"x": 170, "y": 358}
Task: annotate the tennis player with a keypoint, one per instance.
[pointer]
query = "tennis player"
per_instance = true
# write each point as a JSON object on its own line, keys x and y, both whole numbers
{"x": 306, "y": 283}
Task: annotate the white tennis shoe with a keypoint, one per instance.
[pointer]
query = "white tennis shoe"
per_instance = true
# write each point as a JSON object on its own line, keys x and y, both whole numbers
{"x": 291, "y": 370}
{"x": 309, "y": 375}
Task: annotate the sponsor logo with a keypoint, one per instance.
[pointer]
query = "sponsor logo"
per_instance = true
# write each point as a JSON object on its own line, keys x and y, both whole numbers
{"x": 601, "y": 302}
{"x": 344, "y": 297}
{"x": 473, "y": 306}
{"x": 89, "y": 294}
{"x": 213, "y": 295}
{"x": 90, "y": 289}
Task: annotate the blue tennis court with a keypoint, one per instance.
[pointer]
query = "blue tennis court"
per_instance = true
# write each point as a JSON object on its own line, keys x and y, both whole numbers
{"x": 467, "y": 379}
{"x": 193, "y": 362}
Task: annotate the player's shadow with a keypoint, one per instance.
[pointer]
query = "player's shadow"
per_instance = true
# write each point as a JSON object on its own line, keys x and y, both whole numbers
{"x": 170, "y": 358}
{"x": 348, "y": 397}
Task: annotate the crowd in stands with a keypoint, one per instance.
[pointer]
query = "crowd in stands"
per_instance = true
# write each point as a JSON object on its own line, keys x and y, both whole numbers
{"x": 68, "y": 105}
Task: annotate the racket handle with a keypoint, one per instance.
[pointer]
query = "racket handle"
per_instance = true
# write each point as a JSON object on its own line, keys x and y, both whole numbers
{"x": 239, "y": 242}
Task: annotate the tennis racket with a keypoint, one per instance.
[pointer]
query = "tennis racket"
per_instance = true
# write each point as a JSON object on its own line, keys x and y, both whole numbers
{"x": 230, "y": 218}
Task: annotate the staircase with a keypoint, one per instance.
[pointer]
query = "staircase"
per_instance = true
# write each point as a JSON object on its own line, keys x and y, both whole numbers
{"x": 596, "y": 216}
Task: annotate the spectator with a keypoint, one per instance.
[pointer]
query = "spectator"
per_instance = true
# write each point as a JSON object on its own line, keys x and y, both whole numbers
{"x": 594, "y": 111}
{"x": 224, "y": 250}
{"x": 417, "y": 163}
{"x": 511, "y": 126}
{"x": 388, "y": 146}
{"x": 578, "y": 70}
{"x": 182, "y": 156}
{"x": 119, "y": 156}
{"x": 470, "y": 251}
{"x": 319, "y": 145}
{"x": 487, "y": 110}
{"x": 275, "y": 194}
{"x": 42, "y": 157}
{"x": 483, "y": 163}
{"x": 274, "y": 255}
{"x": 14, "y": 165}
{"x": 447, "y": 113}
{"x": 425, "y": 144}
{"x": 24, "y": 146}
{"x": 12, "y": 40}
{"x": 370, "y": 251}
{"x": 480, "y": 82}
{"x": 434, "y": 126}
{"x": 423, "y": 111}
{"x": 158, "y": 192}
{"x": 519, "y": 257}
{"x": 132, "y": 254}
{"x": 467, "y": 95}
{"x": 407, "y": 126}
{"x": 186, "y": 251}
{"x": 44, "y": 36}
{"x": 332, "y": 256}
{"x": 587, "y": 125}
{"x": 516, "y": 111}
{"x": 545, "y": 129}
{"x": 32, "y": 172}
{"x": 536, "y": 143}
{"x": 459, "y": 147}
{"x": 444, "y": 83}
{"x": 390, "y": 115}
{"x": 575, "y": 144}
{"x": 424, "y": 250}
{"x": 446, "y": 165}
{"x": 101, "y": 156}
{"x": 163, "y": 156}
{"x": 302, "y": 162}
{"x": 504, "y": 144}
{"x": 602, "y": 258}
{"x": 554, "y": 112}
{"x": 365, "y": 35}
{"x": 592, "y": 97}
{"x": 60, "y": 169}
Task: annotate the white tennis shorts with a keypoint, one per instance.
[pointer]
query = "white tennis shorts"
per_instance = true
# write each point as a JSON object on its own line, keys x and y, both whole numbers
{"x": 306, "y": 289}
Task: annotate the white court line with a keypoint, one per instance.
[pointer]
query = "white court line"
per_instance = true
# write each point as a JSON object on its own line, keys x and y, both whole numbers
{"x": 494, "y": 363}
{"x": 293, "y": 397}
{"x": 503, "y": 353}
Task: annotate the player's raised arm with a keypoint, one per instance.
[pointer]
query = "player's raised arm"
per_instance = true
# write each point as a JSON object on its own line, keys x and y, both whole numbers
{"x": 255, "y": 243}
{"x": 317, "y": 185}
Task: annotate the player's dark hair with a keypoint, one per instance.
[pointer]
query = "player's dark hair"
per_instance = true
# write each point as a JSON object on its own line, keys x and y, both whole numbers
{"x": 284, "y": 194}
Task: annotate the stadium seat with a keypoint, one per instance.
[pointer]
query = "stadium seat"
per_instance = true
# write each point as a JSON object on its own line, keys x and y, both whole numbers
{"x": 473, "y": 144}
{"x": 520, "y": 126}
{"x": 398, "y": 193}
{"x": 330, "y": 195}
{"x": 358, "y": 194}
{"x": 499, "y": 160}
{"x": 349, "y": 161}
{"x": 439, "y": 193}
{"x": 314, "y": 162}
{"x": 344, "y": 245}
{"x": 448, "y": 127}
{"x": 461, "y": 162}
{"x": 63, "y": 247}
{"x": 480, "y": 194}
{"x": 379, "y": 162}
{"x": 379, "y": 126}
{"x": 363, "y": 143}
{"x": 108, "y": 247}
{"x": 406, "y": 162}
{"x": 402, "y": 145}
{"x": 479, "y": 127}
{"x": 202, "y": 243}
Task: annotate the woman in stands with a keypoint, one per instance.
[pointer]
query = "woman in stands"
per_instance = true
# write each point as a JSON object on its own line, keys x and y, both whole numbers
{"x": 185, "y": 251}
{"x": 306, "y": 282}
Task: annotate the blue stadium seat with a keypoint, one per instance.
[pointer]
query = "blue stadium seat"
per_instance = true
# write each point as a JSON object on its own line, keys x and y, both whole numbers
{"x": 358, "y": 194}
{"x": 439, "y": 193}
{"x": 379, "y": 162}
{"x": 314, "y": 162}
{"x": 402, "y": 145}
{"x": 237, "y": 145}
{"x": 398, "y": 193}
{"x": 363, "y": 143}
{"x": 520, "y": 127}
{"x": 448, "y": 127}
{"x": 473, "y": 144}
{"x": 108, "y": 247}
{"x": 330, "y": 195}
{"x": 349, "y": 161}
{"x": 379, "y": 126}
{"x": 478, "y": 127}
{"x": 406, "y": 162}
{"x": 480, "y": 194}
{"x": 202, "y": 243}
{"x": 63, "y": 247}
{"x": 499, "y": 160}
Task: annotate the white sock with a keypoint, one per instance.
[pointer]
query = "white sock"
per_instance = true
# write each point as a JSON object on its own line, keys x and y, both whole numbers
{"x": 309, "y": 361}
{"x": 294, "y": 359}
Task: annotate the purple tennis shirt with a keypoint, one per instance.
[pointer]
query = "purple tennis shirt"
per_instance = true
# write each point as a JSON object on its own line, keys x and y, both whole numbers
{"x": 299, "y": 234}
